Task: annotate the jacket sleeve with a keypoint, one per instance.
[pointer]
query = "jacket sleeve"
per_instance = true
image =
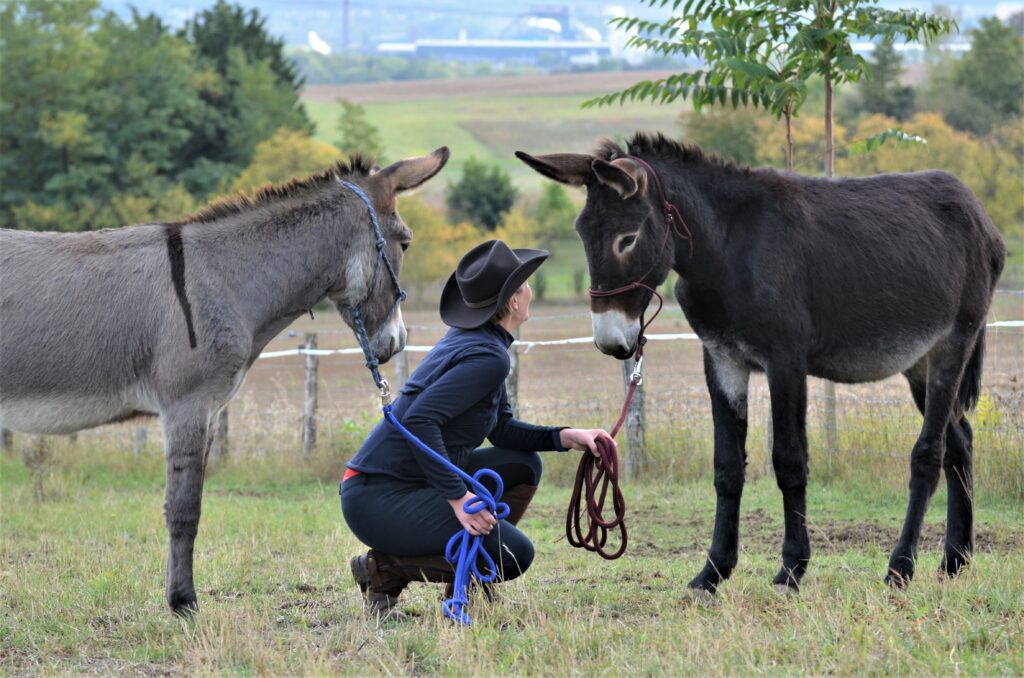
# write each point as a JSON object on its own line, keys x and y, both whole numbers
{"x": 513, "y": 434}
{"x": 464, "y": 385}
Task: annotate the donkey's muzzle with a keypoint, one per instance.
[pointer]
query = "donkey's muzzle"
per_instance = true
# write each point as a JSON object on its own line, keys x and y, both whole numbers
{"x": 615, "y": 334}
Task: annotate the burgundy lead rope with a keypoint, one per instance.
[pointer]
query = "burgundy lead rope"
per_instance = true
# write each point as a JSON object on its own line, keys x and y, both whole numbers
{"x": 601, "y": 472}
{"x": 597, "y": 474}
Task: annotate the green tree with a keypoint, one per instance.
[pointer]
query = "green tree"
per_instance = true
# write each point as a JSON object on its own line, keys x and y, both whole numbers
{"x": 734, "y": 135}
{"x": 357, "y": 133}
{"x": 762, "y": 53}
{"x": 482, "y": 195}
{"x": 287, "y": 154}
{"x": 882, "y": 91}
{"x": 251, "y": 89}
{"x": 555, "y": 213}
{"x": 217, "y": 31}
{"x": 989, "y": 79}
{"x": 94, "y": 109}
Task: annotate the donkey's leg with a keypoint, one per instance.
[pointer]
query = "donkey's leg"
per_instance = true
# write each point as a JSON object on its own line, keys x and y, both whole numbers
{"x": 946, "y": 362}
{"x": 787, "y": 383}
{"x": 187, "y": 439}
{"x": 727, "y": 382}
{"x": 957, "y": 463}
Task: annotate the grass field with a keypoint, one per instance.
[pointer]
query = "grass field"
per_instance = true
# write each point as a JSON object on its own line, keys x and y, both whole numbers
{"x": 476, "y": 118}
{"x": 82, "y": 578}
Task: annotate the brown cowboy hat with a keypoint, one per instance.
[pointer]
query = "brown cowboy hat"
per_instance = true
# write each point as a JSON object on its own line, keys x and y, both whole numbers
{"x": 486, "y": 277}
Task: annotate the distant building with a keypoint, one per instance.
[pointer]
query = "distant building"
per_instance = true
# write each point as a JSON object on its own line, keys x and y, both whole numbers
{"x": 506, "y": 51}
{"x": 545, "y": 35}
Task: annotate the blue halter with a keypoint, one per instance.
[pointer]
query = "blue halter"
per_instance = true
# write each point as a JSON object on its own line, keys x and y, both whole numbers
{"x": 355, "y": 312}
{"x": 464, "y": 551}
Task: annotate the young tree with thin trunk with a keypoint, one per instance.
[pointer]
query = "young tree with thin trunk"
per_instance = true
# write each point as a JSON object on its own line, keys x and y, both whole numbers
{"x": 763, "y": 53}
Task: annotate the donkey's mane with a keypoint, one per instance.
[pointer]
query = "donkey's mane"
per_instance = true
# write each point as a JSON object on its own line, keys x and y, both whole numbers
{"x": 658, "y": 144}
{"x": 357, "y": 164}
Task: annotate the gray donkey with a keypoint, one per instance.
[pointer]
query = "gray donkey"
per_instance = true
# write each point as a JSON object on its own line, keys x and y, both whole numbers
{"x": 167, "y": 318}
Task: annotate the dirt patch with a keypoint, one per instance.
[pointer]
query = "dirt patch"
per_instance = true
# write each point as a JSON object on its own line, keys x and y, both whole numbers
{"x": 531, "y": 85}
{"x": 762, "y": 533}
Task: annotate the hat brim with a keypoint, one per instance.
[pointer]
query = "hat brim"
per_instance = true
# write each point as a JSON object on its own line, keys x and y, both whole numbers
{"x": 455, "y": 312}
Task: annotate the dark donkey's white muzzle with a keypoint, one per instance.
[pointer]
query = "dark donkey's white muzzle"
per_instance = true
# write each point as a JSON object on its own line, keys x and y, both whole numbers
{"x": 615, "y": 334}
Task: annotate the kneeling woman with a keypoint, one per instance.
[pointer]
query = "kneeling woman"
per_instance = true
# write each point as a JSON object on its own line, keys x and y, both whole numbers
{"x": 406, "y": 506}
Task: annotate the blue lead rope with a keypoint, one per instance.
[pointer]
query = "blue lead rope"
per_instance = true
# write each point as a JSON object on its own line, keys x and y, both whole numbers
{"x": 464, "y": 551}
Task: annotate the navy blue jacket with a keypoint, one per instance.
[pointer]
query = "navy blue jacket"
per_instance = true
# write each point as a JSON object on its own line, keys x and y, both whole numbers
{"x": 454, "y": 399}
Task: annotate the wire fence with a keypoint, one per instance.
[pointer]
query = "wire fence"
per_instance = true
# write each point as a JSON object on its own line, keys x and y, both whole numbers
{"x": 564, "y": 380}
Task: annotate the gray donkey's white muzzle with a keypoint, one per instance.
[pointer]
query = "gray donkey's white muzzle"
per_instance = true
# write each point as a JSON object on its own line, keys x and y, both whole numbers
{"x": 393, "y": 338}
{"x": 615, "y": 334}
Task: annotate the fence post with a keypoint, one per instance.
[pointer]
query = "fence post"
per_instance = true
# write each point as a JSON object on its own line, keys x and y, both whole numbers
{"x": 6, "y": 440}
{"x": 140, "y": 441}
{"x": 831, "y": 428}
{"x": 636, "y": 424}
{"x": 309, "y": 406}
{"x": 221, "y": 446}
{"x": 512, "y": 381}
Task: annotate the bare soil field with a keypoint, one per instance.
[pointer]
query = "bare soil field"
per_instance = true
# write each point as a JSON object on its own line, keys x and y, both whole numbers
{"x": 531, "y": 85}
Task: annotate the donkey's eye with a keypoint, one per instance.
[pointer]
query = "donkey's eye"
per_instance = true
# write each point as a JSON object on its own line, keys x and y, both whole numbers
{"x": 626, "y": 242}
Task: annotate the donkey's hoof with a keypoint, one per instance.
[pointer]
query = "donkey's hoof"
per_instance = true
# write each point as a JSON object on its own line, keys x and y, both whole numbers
{"x": 788, "y": 590}
{"x": 787, "y": 581}
{"x": 953, "y": 563}
{"x": 699, "y": 596}
{"x": 897, "y": 580}
{"x": 183, "y": 605}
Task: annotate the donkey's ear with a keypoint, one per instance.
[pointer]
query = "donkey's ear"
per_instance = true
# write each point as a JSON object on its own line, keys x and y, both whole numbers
{"x": 569, "y": 168}
{"x": 626, "y": 176}
{"x": 408, "y": 174}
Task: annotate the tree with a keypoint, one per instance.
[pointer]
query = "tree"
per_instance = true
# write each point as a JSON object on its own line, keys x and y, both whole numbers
{"x": 762, "y": 53}
{"x": 481, "y": 196}
{"x": 992, "y": 167}
{"x": 555, "y": 214}
{"x": 94, "y": 111}
{"x": 250, "y": 89}
{"x": 990, "y": 77}
{"x": 734, "y": 135}
{"x": 215, "y": 32}
{"x": 288, "y": 153}
{"x": 357, "y": 133}
{"x": 882, "y": 92}
{"x": 437, "y": 244}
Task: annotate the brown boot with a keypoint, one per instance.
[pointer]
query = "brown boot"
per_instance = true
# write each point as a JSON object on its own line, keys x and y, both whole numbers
{"x": 518, "y": 499}
{"x": 383, "y": 577}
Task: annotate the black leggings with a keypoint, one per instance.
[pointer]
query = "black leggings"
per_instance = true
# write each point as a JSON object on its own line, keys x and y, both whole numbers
{"x": 406, "y": 518}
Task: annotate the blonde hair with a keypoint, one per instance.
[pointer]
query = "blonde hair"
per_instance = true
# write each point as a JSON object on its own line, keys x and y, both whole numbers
{"x": 505, "y": 310}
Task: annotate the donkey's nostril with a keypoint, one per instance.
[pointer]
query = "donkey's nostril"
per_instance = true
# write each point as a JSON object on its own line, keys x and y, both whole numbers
{"x": 621, "y": 352}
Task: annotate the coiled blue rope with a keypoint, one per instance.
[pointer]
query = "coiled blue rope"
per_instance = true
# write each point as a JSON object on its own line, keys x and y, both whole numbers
{"x": 464, "y": 551}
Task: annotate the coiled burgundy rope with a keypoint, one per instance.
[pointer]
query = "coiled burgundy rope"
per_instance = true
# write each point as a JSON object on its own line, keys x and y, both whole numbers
{"x": 594, "y": 477}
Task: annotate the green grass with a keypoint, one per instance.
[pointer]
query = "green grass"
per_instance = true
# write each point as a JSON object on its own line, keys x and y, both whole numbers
{"x": 491, "y": 128}
{"x": 82, "y": 582}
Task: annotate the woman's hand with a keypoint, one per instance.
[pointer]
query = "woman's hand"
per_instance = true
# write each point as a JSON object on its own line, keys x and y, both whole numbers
{"x": 480, "y": 523}
{"x": 585, "y": 439}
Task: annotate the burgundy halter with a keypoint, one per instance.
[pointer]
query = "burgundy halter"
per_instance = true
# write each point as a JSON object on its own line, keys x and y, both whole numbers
{"x": 597, "y": 473}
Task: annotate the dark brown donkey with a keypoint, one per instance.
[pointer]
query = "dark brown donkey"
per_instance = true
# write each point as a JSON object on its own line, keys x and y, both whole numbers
{"x": 851, "y": 280}
{"x": 167, "y": 318}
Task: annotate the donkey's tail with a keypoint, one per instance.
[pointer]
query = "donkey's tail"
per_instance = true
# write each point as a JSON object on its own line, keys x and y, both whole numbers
{"x": 970, "y": 385}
